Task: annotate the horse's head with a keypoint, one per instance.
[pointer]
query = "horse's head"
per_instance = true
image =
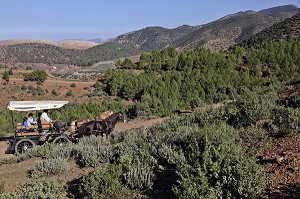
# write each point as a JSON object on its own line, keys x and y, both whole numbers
{"x": 121, "y": 117}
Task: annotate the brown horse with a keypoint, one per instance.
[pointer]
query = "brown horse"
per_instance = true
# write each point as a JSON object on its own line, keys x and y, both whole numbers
{"x": 99, "y": 127}
{"x": 77, "y": 123}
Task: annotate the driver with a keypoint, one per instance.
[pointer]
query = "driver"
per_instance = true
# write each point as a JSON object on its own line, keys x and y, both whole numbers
{"x": 56, "y": 125}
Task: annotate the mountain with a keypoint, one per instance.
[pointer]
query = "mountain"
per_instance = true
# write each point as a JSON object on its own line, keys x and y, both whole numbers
{"x": 289, "y": 28}
{"x": 69, "y": 44}
{"x": 151, "y": 38}
{"x": 281, "y": 12}
{"x": 220, "y": 34}
{"x": 234, "y": 28}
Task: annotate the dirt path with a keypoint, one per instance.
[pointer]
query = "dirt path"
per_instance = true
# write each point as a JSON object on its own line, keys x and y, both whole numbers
{"x": 14, "y": 175}
{"x": 282, "y": 161}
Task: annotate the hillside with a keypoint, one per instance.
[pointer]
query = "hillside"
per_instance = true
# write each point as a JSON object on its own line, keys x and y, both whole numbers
{"x": 235, "y": 28}
{"x": 289, "y": 28}
{"x": 51, "y": 54}
{"x": 217, "y": 35}
{"x": 151, "y": 38}
{"x": 68, "y": 44}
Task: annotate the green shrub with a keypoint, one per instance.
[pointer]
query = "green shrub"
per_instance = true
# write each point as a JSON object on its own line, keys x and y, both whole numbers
{"x": 38, "y": 151}
{"x": 172, "y": 155}
{"x": 253, "y": 138}
{"x": 69, "y": 93}
{"x": 48, "y": 167}
{"x": 286, "y": 119}
{"x": 254, "y": 108}
{"x": 196, "y": 102}
{"x": 218, "y": 167}
{"x": 10, "y": 160}
{"x": 140, "y": 176}
{"x": 54, "y": 92}
{"x": 64, "y": 152}
{"x": 73, "y": 85}
{"x": 91, "y": 151}
{"x": 42, "y": 188}
{"x": 37, "y": 75}
{"x": 105, "y": 182}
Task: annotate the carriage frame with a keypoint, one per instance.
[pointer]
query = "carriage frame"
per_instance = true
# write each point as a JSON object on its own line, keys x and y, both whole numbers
{"x": 43, "y": 133}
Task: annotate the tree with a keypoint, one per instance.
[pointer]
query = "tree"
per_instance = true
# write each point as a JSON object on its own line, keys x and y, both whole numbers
{"x": 73, "y": 85}
{"x": 37, "y": 75}
{"x": 5, "y": 76}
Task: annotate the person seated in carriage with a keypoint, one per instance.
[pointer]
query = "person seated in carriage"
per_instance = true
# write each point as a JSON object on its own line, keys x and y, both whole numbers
{"x": 25, "y": 127}
{"x": 55, "y": 124}
{"x": 30, "y": 120}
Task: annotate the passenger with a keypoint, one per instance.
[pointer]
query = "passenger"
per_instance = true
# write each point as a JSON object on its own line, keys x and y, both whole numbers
{"x": 24, "y": 125}
{"x": 30, "y": 120}
{"x": 49, "y": 120}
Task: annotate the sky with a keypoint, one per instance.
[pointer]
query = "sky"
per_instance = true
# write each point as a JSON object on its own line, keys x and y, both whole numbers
{"x": 57, "y": 20}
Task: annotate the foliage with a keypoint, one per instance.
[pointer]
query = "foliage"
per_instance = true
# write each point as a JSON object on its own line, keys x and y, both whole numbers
{"x": 54, "y": 92}
{"x": 73, "y": 85}
{"x": 219, "y": 168}
{"x": 5, "y": 75}
{"x": 175, "y": 81}
{"x": 105, "y": 182}
{"x": 255, "y": 107}
{"x": 38, "y": 151}
{"x": 10, "y": 160}
{"x": 48, "y": 167}
{"x": 69, "y": 93}
{"x": 43, "y": 188}
{"x": 49, "y": 54}
{"x": 140, "y": 176}
{"x": 286, "y": 119}
{"x": 37, "y": 75}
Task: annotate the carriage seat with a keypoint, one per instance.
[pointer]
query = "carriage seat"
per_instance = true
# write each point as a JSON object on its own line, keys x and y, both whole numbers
{"x": 20, "y": 127}
{"x": 44, "y": 125}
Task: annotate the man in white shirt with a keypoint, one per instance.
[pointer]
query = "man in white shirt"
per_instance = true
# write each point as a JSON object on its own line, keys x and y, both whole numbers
{"x": 45, "y": 116}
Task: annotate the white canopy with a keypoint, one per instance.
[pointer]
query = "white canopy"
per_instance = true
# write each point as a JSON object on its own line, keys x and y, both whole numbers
{"x": 35, "y": 105}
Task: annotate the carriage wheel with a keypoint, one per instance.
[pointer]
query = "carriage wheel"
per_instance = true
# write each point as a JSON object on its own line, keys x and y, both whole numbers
{"x": 23, "y": 145}
{"x": 61, "y": 140}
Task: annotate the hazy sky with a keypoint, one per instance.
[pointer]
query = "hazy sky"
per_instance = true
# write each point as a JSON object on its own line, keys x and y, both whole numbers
{"x": 71, "y": 19}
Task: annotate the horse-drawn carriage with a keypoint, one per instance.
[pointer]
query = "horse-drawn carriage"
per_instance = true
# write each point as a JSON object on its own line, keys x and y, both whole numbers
{"x": 40, "y": 133}
{"x": 46, "y": 132}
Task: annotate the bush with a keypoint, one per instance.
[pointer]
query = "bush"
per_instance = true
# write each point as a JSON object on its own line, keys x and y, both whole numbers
{"x": 69, "y": 93}
{"x": 48, "y": 167}
{"x": 172, "y": 155}
{"x": 140, "y": 176}
{"x": 38, "y": 151}
{"x": 196, "y": 102}
{"x": 218, "y": 167}
{"x": 37, "y": 75}
{"x": 105, "y": 182}
{"x": 54, "y": 92}
{"x": 286, "y": 119}
{"x": 254, "y": 108}
{"x": 73, "y": 85}
{"x": 42, "y": 188}
{"x": 10, "y": 160}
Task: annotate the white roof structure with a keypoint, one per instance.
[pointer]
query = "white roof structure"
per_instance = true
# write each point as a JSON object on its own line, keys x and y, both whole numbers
{"x": 35, "y": 105}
